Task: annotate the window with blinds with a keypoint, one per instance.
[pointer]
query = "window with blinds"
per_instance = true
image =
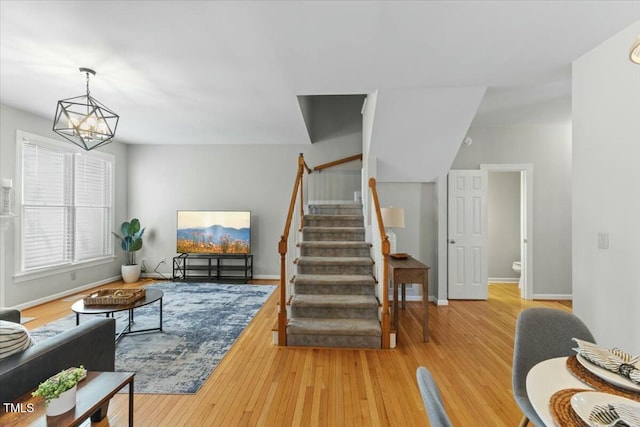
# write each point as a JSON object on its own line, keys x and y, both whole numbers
{"x": 66, "y": 205}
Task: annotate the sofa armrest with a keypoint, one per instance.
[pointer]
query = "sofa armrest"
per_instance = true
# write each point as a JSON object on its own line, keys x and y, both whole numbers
{"x": 10, "y": 314}
{"x": 91, "y": 344}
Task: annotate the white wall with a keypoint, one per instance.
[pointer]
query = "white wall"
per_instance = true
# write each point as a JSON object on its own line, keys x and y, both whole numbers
{"x": 548, "y": 149}
{"x": 419, "y": 236}
{"x": 36, "y": 290}
{"x": 259, "y": 178}
{"x": 606, "y": 191}
{"x": 417, "y": 131}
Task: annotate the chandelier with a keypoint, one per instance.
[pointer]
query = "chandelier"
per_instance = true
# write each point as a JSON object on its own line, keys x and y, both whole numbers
{"x": 85, "y": 121}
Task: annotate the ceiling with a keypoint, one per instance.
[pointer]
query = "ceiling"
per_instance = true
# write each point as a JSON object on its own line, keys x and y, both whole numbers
{"x": 200, "y": 72}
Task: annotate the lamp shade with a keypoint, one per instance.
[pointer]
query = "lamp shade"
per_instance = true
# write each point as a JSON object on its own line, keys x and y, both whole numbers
{"x": 392, "y": 217}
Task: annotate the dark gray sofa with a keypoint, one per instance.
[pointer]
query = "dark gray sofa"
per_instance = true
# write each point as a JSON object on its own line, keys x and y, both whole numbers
{"x": 10, "y": 314}
{"x": 91, "y": 344}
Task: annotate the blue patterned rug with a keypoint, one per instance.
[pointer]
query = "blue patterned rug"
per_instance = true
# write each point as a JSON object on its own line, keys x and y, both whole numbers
{"x": 200, "y": 323}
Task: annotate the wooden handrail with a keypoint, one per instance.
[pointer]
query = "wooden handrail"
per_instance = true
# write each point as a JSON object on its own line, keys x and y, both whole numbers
{"x": 306, "y": 167}
{"x": 282, "y": 249}
{"x": 385, "y": 249}
{"x": 337, "y": 162}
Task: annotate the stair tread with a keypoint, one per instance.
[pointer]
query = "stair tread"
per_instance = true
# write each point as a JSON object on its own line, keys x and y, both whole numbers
{"x": 335, "y": 243}
{"x": 323, "y": 229}
{"x": 337, "y": 301}
{"x": 330, "y": 279}
{"x": 361, "y": 260}
{"x": 338, "y": 216}
{"x": 336, "y": 205}
{"x": 313, "y": 326}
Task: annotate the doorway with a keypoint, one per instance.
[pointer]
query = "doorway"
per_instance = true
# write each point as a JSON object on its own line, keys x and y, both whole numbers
{"x": 505, "y": 227}
{"x": 526, "y": 221}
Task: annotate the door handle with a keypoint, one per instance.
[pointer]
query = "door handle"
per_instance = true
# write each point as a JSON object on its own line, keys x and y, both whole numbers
{"x": 452, "y": 241}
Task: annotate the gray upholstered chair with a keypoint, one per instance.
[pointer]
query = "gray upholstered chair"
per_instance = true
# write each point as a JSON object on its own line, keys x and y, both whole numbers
{"x": 541, "y": 333}
{"x": 432, "y": 399}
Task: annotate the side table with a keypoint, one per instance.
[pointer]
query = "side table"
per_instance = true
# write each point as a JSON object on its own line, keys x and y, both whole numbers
{"x": 93, "y": 392}
{"x": 410, "y": 270}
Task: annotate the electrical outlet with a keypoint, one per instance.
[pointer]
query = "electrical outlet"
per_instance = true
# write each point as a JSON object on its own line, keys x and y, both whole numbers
{"x": 163, "y": 260}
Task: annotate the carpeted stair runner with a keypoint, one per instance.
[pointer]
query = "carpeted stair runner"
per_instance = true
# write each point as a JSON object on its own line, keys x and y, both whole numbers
{"x": 333, "y": 302}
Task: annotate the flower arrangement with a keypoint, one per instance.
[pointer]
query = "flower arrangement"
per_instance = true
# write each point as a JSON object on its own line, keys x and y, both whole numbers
{"x": 53, "y": 387}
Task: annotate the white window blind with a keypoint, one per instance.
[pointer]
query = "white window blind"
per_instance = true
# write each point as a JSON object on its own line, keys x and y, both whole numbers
{"x": 66, "y": 206}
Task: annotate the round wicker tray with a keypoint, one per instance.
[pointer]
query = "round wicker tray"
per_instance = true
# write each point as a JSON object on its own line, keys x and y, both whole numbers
{"x": 560, "y": 401}
{"x": 563, "y": 413}
{"x": 596, "y": 382}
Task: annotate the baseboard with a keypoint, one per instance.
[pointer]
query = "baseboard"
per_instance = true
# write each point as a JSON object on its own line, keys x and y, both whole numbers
{"x": 158, "y": 275}
{"x": 62, "y": 294}
{"x": 267, "y": 277}
{"x": 504, "y": 280}
{"x": 558, "y": 297}
{"x": 437, "y": 301}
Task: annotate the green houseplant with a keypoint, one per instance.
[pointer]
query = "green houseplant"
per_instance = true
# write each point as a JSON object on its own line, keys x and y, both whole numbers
{"x": 131, "y": 242}
{"x": 59, "y": 390}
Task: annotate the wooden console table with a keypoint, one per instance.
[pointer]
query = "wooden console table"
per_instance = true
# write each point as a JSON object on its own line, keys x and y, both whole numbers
{"x": 93, "y": 392}
{"x": 410, "y": 270}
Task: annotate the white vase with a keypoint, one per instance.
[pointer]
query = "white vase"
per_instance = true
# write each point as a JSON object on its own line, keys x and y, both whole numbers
{"x": 63, "y": 403}
{"x": 130, "y": 273}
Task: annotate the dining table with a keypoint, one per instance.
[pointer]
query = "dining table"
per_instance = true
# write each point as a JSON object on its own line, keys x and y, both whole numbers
{"x": 550, "y": 379}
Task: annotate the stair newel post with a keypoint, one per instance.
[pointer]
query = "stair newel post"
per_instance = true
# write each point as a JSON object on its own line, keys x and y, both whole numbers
{"x": 282, "y": 249}
{"x": 385, "y": 249}
{"x": 282, "y": 312}
{"x": 386, "y": 318}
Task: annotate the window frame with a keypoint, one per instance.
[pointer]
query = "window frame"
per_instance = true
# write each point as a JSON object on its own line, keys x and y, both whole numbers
{"x": 22, "y": 275}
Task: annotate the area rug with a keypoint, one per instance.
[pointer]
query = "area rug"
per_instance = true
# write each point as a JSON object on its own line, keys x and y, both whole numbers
{"x": 200, "y": 323}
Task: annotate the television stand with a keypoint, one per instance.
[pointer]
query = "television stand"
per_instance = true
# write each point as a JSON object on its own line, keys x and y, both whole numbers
{"x": 217, "y": 268}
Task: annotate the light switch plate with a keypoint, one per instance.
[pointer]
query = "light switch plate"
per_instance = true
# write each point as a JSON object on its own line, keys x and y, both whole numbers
{"x": 603, "y": 240}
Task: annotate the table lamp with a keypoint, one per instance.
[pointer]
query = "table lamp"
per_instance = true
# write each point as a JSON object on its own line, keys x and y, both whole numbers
{"x": 392, "y": 218}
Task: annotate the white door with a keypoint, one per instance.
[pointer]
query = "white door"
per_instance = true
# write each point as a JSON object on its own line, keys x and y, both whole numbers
{"x": 467, "y": 232}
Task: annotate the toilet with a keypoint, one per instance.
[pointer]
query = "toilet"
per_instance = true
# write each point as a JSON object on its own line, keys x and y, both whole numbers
{"x": 517, "y": 267}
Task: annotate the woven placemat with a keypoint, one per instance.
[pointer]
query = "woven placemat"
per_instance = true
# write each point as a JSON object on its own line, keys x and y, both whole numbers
{"x": 563, "y": 413}
{"x": 584, "y": 375}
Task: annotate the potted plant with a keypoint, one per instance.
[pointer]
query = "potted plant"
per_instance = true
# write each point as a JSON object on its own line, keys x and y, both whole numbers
{"x": 59, "y": 391}
{"x": 131, "y": 242}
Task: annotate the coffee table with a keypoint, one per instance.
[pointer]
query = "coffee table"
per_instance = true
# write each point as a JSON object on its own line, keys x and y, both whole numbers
{"x": 151, "y": 296}
{"x": 93, "y": 392}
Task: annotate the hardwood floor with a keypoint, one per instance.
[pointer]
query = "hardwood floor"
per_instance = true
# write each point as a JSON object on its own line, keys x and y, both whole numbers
{"x": 259, "y": 384}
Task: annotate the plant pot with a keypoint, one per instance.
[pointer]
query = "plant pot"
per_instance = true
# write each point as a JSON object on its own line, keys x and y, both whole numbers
{"x": 130, "y": 273}
{"x": 63, "y": 403}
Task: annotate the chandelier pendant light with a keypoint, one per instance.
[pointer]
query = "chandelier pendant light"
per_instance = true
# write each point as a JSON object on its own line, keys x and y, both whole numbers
{"x": 84, "y": 120}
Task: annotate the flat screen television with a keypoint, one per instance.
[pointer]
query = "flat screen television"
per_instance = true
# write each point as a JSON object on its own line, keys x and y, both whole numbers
{"x": 214, "y": 232}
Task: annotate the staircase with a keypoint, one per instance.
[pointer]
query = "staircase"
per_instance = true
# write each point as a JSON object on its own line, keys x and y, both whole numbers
{"x": 333, "y": 301}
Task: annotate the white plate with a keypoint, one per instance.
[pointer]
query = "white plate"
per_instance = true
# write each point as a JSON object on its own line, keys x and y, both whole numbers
{"x": 584, "y": 402}
{"x": 609, "y": 376}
